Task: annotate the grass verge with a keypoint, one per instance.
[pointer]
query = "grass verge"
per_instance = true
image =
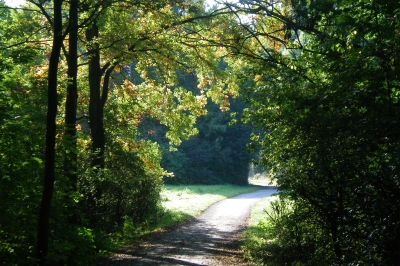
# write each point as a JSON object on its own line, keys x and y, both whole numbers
{"x": 253, "y": 237}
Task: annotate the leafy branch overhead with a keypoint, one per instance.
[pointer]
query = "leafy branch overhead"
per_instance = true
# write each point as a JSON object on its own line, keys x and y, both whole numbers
{"x": 94, "y": 95}
{"x": 107, "y": 66}
{"x": 322, "y": 80}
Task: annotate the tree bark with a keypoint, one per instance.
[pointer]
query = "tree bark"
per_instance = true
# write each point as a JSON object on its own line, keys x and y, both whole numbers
{"x": 95, "y": 103}
{"x": 97, "y": 132}
{"x": 49, "y": 175}
{"x": 70, "y": 136}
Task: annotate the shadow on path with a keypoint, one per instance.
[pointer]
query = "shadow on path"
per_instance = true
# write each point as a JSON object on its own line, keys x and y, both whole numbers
{"x": 210, "y": 239}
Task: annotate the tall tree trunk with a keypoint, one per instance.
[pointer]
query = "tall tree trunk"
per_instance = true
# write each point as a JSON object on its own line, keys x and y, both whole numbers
{"x": 72, "y": 96}
{"x": 95, "y": 103}
{"x": 49, "y": 175}
{"x": 95, "y": 120}
{"x": 70, "y": 134}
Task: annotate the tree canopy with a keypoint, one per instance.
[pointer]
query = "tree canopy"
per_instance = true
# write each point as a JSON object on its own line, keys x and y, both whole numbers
{"x": 94, "y": 93}
{"x": 87, "y": 171}
{"x": 324, "y": 87}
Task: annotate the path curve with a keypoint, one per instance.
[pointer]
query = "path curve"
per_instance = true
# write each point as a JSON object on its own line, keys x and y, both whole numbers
{"x": 210, "y": 239}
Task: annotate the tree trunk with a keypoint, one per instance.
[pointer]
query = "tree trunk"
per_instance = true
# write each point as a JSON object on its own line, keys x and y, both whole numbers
{"x": 95, "y": 104}
{"x": 333, "y": 224}
{"x": 95, "y": 120}
{"x": 71, "y": 100}
{"x": 49, "y": 175}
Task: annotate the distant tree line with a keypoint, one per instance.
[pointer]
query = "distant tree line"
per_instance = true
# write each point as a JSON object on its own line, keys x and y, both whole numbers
{"x": 218, "y": 154}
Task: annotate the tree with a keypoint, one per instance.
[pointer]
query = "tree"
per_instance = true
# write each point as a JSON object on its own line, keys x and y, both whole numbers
{"x": 218, "y": 154}
{"x": 72, "y": 97}
{"x": 324, "y": 88}
{"x": 49, "y": 176}
{"x": 22, "y": 104}
{"x": 159, "y": 48}
{"x": 91, "y": 47}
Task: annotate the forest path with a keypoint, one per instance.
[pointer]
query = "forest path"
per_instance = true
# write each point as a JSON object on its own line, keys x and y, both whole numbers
{"x": 213, "y": 238}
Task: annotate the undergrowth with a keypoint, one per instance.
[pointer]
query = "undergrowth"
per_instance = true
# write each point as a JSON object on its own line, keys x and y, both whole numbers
{"x": 281, "y": 235}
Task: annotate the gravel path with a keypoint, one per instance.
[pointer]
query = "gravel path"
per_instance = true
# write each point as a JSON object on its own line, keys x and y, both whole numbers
{"x": 210, "y": 239}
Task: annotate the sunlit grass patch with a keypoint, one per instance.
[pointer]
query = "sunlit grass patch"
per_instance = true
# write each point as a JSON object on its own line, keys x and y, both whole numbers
{"x": 254, "y": 237}
{"x": 258, "y": 211}
{"x": 184, "y": 202}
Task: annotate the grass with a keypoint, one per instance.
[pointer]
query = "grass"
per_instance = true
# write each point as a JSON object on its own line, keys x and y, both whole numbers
{"x": 181, "y": 203}
{"x": 254, "y": 236}
{"x": 185, "y": 202}
{"x": 258, "y": 211}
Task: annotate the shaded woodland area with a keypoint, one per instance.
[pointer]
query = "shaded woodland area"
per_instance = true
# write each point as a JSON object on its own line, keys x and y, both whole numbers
{"x": 101, "y": 100}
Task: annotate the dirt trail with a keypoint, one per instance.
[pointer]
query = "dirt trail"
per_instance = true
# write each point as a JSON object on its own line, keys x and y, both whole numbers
{"x": 210, "y": 239}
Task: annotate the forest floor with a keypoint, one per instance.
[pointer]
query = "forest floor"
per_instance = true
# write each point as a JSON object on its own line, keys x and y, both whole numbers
{"x": 212, "y": 238}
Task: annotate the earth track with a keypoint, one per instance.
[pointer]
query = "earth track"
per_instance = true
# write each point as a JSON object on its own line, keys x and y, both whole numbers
{"x": 212, "y": 238}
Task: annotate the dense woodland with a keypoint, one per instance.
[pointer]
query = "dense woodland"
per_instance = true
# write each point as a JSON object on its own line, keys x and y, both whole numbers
{"x": 101, "y": 101}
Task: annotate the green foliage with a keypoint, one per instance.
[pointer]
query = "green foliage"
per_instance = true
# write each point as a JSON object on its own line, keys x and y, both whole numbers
{"x": 324, "y": 90}
{"x": 208, "y": 157}
{"x": 218, "y": 154}
{"x": 21, "y": 146}
{"x": 77, "y": 245}
{"x": 287, "y": 235}
{"x": 135, "y": 196}
{"x": 127, "y": 191}
{"x": 157, "y": 41}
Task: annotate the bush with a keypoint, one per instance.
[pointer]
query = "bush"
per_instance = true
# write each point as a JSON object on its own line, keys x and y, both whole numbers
{"x": 289, "y": 235}
{"x": 124, "y": 190}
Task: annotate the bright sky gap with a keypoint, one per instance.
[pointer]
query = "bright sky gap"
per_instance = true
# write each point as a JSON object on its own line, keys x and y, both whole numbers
{"x": 14, "y": 3}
